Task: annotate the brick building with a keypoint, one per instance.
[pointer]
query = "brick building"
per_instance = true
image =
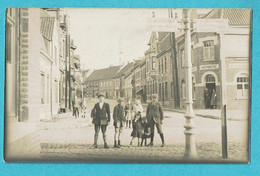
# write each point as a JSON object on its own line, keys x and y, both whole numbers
{"x": 207, "y": 48}
{"x": 34, "y": 71}
{"x": 102, "y": 81}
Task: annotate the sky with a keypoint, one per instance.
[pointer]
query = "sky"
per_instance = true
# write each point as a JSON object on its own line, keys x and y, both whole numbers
{"x": 103, "y": 35}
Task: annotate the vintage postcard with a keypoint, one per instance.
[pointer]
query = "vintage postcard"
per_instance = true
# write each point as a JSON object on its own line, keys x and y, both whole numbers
{"x": 127, "y": 85}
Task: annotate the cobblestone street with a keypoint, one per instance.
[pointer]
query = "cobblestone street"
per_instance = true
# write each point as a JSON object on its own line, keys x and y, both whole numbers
{"x": 68, "y": 139}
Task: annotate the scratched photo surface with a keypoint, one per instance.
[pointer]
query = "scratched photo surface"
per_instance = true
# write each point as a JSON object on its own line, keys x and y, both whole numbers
{"x": 125, "y": 85}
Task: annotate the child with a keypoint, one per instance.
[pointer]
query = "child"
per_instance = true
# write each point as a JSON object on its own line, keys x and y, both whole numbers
{"x": 137, "y": 128}
{"x": 84, "y": 108}
{"x": 146, "y": 131}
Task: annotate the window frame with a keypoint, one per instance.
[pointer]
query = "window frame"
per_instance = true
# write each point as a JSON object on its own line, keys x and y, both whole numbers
{"x": 208, "y": 49}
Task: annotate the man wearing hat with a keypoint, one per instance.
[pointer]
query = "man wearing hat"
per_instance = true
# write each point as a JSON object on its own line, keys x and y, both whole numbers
{"x": 119, "y": 120}
{"x": 101, "y": 118}
{"x": 154, "y": 115}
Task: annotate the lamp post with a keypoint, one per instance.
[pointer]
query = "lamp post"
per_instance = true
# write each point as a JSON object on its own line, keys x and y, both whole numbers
{"x": 190, "y": 148}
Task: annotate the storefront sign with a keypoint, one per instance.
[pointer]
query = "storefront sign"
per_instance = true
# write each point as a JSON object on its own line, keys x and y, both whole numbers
{"x": 238, "y": 65}
{"x": 209, "y": 67}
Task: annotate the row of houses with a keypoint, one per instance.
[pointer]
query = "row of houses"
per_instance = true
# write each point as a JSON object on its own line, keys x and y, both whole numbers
{"x": 162, "y": 69}
{"x": 41, "y": 67}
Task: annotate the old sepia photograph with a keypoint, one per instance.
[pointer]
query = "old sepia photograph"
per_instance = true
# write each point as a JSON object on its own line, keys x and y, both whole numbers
{"x": 127, "y": 85}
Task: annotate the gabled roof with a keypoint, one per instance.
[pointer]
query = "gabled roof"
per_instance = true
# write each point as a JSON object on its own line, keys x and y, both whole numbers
{"x": 161, "y": 35}
{"x": 105, "y": 73}
{"x": 124, "y": 69}
{"x": 47, "y": 25}
{"x": 236, "y": 17}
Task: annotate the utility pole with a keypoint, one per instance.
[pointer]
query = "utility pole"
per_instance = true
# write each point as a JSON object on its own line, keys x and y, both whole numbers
{"x": 223, "y": 102}
{"x": 174, "y": 66}
{"x": 190, "y": 148}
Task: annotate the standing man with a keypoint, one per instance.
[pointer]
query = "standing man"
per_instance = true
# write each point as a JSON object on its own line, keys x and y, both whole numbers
{"x": 154, "y": 114}
{"x": 101, "y": 119}
{"x": 119, "y": 120}
{"x": 206, "y": 98}
{"x": 76, "y": 106}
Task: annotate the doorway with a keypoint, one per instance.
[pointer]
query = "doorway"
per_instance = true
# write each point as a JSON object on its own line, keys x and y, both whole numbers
{"x": 210, "y": 83}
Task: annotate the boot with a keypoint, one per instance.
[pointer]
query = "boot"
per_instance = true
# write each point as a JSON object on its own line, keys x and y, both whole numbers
{"x": 162, "y": 138}
{"x": 129, "y": 123}
{"x": 95, "y": 141}
{"x": 151, "y": 143}
{"x": 105, "y": 141}
{"x": 126, "y": 124}
{"x": 119, "y": 143}
{"x": 115, "y": 145}
{"x": 106, "y": 146}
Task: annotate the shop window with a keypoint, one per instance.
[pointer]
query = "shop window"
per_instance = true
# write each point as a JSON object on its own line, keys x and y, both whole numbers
{"x": 242, "y": 87}
{"x": 208, "y": 50}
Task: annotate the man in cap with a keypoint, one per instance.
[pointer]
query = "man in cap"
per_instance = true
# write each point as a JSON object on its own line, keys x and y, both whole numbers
{"x": 119, "y": 120}
{"x": 154, "y": 115}
{"x": 101, "y": 118}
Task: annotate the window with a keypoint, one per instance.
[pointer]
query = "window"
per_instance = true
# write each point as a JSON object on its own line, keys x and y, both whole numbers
{"x": 10, "y": 11}
{"x": 159, "y": 66}
{"x": 162, "y": 65}
{"x": 153, "y": 63}
{"x": 208, "y": 50}
{"x": 210, "y": 78}
{"x": 242, "y": 86}
{"x": 48, "y": 88}
{"x": 42, "y": 88}
{"x": 8, "y": 43}
{"x": 160, "y": 90}
{"x": 165, "y": 63}
{"x": 166, "y": 90}
{"x": 55, "y": 56}
{"x": 182, "y": 57}
{"x": 183, "y": 89}
{"x": 56, "y": 92}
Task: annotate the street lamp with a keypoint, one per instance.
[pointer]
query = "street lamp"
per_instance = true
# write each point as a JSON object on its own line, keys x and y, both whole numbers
{"x": 190, "y": 148}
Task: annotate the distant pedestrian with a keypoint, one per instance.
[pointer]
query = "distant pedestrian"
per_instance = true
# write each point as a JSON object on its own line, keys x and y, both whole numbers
{"x": 206, "y": 98}
{"x": 137, "y": 128}
{"x": 155, "y": 117}
{"x": 119, "y": 121}
{"x": 213, "y": 100}
{"x": 84, "y": 108}
{"x": 76, "y": 106}
{"x": 101, "y": 119}
{"x": 73, "y": 106}
{"x": 128, "y": 113}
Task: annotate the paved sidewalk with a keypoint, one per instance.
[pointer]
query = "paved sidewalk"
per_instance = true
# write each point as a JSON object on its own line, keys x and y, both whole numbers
{"x": 213, "y": 113}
